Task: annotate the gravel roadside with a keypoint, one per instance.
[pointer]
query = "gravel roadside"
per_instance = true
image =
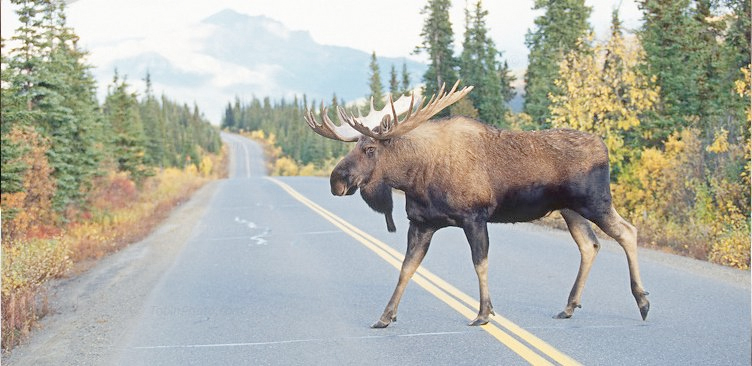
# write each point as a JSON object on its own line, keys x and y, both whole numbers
{"x": 91, "y": 313}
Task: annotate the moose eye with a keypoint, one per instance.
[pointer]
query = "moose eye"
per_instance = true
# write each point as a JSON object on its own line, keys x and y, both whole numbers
{"x": 370, "y": 151}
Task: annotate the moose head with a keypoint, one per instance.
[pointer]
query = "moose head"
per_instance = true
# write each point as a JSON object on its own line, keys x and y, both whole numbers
{"x": 364, "y": 166}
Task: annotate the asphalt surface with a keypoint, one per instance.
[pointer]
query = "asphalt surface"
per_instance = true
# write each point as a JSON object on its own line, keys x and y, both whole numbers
{"x": 279, "y": 272}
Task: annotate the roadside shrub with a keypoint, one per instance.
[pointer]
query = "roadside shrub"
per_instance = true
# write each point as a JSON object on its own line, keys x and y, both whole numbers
{"x": 118, "y": 214}
{"x": 285, "y": 166}
{"x": 27, "y": 265}
{"x": 29, "y": 212}
{"x": 691, "y": 198}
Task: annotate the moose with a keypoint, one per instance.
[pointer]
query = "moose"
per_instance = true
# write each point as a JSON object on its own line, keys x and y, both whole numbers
{"x": 457, "y": 171}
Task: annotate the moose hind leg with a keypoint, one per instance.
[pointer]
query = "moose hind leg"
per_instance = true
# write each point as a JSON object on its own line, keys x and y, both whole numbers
{"x": 626, "y": 235}
{"x": 583, "y": 235}
{"x": 418, "y": 240}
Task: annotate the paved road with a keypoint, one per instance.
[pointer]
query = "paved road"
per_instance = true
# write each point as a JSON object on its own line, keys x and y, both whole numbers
{"x": 279, "y": 272}
{"x": 268, "y": 280}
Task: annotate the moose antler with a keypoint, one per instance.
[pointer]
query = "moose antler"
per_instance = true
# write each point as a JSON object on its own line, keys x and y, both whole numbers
{"x": 390, "y": 124}
{"x": 327, "y": 128}
{"x": 387, "y": 118}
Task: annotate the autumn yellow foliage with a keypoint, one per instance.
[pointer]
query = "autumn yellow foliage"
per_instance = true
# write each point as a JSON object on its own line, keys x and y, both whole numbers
{"x": 29, "y": 212}
{"x": 685, "y": 195}
{"x": 681, "y": 205}
{"x": 603, "y": 92}
{"x": 26, "y": 267}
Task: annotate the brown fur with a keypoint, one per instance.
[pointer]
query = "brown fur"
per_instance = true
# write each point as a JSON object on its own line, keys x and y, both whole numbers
{"x": 460, "y": 172}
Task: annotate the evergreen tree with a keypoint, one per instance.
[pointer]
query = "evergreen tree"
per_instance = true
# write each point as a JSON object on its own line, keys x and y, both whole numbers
{"x": 154, "y": 128}
{"x": 48, "y": 72}
{"x": 738, "y": 38}
{"x": 394, "y": 86}
{"x": 13, "y": 108}
{"x": 506, "y": 79}
{"x": 710, "y": 40}
{"x": 405, "y": 86}
{"x": 736, "y": 56}
{"x": 669, "y": 35}
{"x": 236, "y": 112}
{"x": 55, "y": 139}
{"x": 28, "y": 58}
{"x": 121, "y": 109}
{"x": 437, "y": 42}
{"x": 556, "y": 32}
{"x": 229, "y": 121}
{"x": 479, "y": 67}
{"x": 333, "y": 107}
{"x": 374, "y": 83}
{"x": 283, "y": 121}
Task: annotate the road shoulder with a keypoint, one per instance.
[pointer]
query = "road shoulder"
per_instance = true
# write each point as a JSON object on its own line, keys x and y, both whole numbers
{"x": 92, "y": 312}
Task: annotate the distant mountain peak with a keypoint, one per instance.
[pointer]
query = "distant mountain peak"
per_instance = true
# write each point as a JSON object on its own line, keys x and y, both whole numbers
{"x": 229, "y": 17}
{"x": 240, "y": 55}
{"x": 253, "y": 24}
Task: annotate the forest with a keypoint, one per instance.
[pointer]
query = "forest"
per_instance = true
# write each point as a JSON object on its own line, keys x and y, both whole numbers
{"x": 671, "y": 100}
{"x": 82, "y": 178}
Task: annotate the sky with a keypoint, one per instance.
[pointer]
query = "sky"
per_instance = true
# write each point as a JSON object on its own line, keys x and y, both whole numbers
{"x": 388, "y": 27}
{"x": 110, "y": 29}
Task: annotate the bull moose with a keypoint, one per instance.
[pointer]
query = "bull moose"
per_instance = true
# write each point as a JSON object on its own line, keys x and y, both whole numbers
{"x": 457, "y": 171}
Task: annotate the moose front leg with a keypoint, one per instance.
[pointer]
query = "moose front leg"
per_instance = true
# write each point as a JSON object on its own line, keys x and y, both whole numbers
{"x": 418, "y": 240}
{"x": 477, "y": 236}
{"x": 583, "y": 235}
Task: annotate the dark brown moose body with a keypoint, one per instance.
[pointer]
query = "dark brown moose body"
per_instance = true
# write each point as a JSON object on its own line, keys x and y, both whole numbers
{"x": 460, "y": 172}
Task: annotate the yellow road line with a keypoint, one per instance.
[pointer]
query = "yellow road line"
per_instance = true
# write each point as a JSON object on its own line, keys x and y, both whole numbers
{"x": 456, "y": 299}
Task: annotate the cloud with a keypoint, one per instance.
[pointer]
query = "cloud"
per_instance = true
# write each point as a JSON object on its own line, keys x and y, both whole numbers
{"x": 277, "y": 29}
{"x": 262, "y": 77}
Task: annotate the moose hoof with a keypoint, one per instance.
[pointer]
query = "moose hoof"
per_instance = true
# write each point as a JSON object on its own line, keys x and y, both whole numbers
{"x": 480, "y": 320}
{"x": 383, "y": 323}
{"x": 380, "y": 324}
{"x": 644, "y": 310}
{"x": 568, "y": 311}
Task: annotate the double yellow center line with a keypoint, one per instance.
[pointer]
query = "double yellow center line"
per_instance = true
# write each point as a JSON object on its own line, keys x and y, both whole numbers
{"x": 528, "y": 346}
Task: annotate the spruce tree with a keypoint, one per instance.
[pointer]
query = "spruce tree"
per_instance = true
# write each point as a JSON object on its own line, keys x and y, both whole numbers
{"x": 228, "y": 122}
{"x": 736, "y": 56}
{"x": 121, "y": 109}
{"x": 405, "y": 86}
{"x": 154, "y": 128}
{"x": 12, "y": 169}
{"x": 506, "y": 79}
{"x": 710, "y": 42}
{"x": 394, "y": 86}
{"x": 669, "y": 35}
{"x": 48, "y": 72}
{"x": 374, "y": 83}
{"x": 557, "y": 32}
{"x": 437, "y": 42}
{"x": 479, "y": 67}
{"x": 739, "y": 37}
